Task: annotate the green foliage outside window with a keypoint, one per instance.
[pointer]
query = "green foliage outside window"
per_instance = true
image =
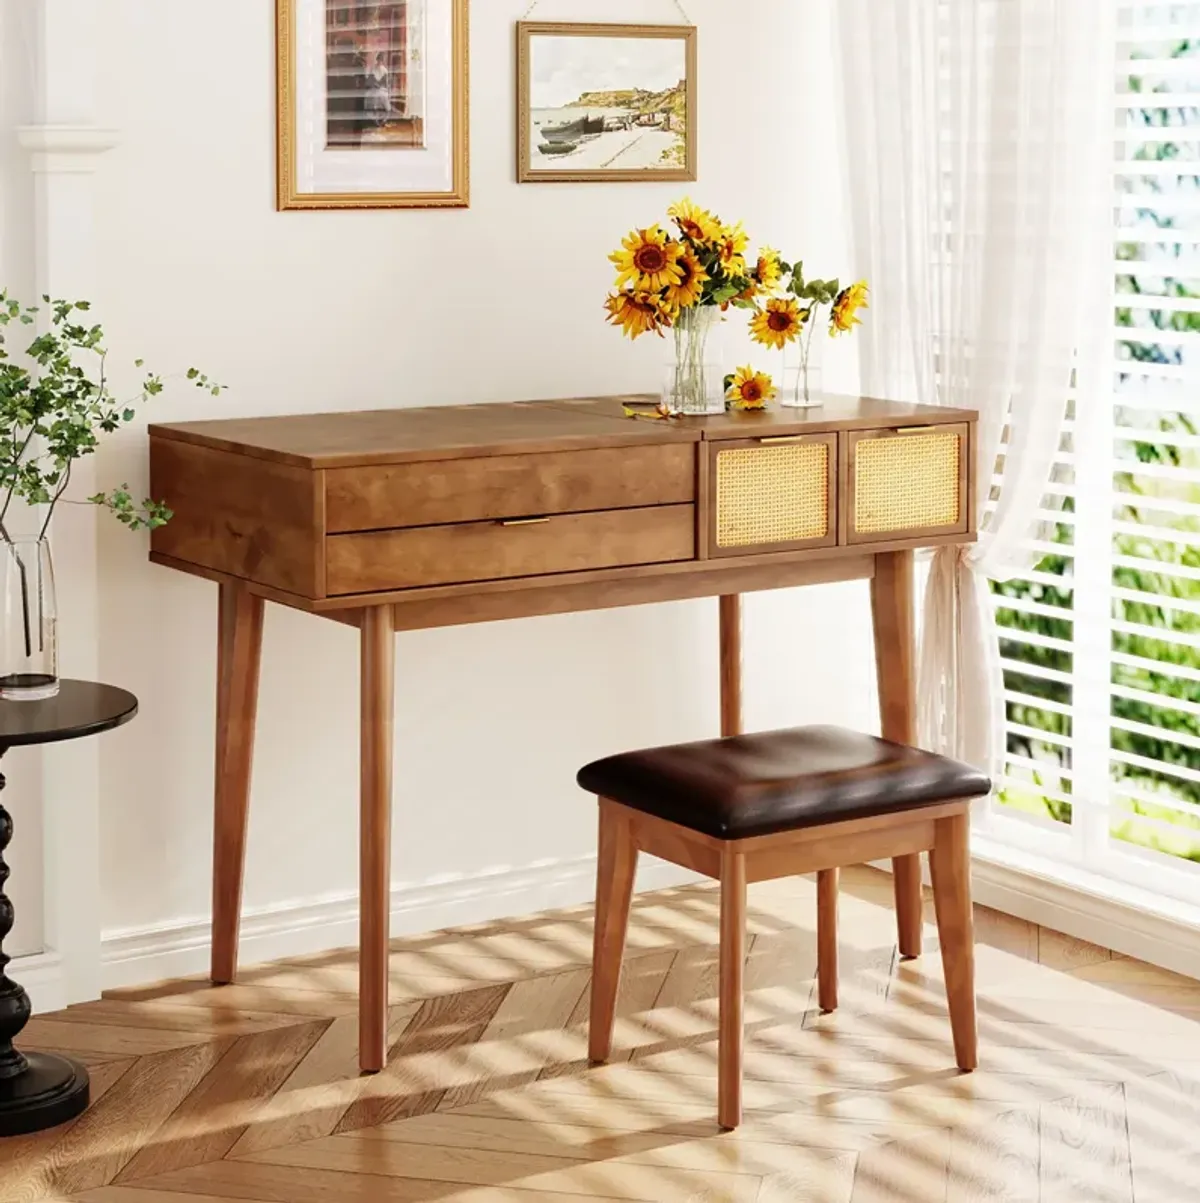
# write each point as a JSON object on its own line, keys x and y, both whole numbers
{"x": 1156, "y": 458}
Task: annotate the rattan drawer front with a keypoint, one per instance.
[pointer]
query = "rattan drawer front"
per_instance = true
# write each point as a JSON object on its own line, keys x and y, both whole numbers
{"x": 909, "y": 482}
{"x": 774, "y": 495}
{"x": 486, "y": 551}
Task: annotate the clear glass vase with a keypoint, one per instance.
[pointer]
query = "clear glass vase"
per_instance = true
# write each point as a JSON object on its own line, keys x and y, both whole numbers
{"x": 29, "y": 632}
{"x": 802, "y": 383}
{"x": 695, "y": 380}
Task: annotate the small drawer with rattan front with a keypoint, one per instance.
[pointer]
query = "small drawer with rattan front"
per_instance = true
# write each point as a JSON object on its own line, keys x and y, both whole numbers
{"x": 773, "y": 494}
{"x": 912, "y": 482}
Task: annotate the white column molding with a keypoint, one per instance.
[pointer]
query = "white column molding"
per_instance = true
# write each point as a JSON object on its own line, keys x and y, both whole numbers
{"x": 64, "y": 150}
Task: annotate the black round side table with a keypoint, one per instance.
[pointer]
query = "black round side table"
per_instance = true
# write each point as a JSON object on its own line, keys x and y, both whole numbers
{"x": 40, "y": 1090}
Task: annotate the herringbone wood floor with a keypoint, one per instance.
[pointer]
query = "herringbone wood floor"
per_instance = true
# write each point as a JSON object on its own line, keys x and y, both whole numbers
{"x": 1089, "y": 1091}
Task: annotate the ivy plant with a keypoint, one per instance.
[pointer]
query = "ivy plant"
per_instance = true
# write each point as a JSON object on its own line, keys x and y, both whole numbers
{"x": 55, "y": 406}
{"x": 817, "y": 292}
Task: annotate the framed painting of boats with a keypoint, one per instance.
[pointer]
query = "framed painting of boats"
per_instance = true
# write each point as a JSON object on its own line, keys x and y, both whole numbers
{"x": 372, "y": 104}
{"x": 614, "y": 103}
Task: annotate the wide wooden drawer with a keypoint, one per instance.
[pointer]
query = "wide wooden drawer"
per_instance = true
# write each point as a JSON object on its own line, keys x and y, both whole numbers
{"x": 508, "y": 486}
{"x": 907, "y": 483}
{"x": 483, "y": 551}
{"x": 773, "y": 494}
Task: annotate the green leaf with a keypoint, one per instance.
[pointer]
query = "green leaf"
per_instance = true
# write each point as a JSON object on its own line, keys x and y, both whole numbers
{"x": 56, "y": 406}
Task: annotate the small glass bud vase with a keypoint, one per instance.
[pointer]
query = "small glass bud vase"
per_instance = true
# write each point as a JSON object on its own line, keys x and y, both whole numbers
{"x": 695, "y": 382}
{"x": 29, "y": 621}
{"x": 802, "y": 380}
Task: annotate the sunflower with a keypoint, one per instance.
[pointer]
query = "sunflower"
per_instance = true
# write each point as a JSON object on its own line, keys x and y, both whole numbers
{"x": 768, "y": 271}
{"x": 696, "y": 224}
{"x": 648, "y": 260}
{"x": 637, "y": 313}
{"x": 750, "y": 389}
{"x": 731, "y": 249}
{"x": 778, "y": 324}
{"x": 691, "y": 287}
{"x": 845, "y": 308}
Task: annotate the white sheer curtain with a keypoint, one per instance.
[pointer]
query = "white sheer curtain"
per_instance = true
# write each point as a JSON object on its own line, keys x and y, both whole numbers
{"x": 979, "y": 139}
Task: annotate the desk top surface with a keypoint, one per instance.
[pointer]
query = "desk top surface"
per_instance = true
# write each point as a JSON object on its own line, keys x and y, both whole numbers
{"x": 352, "y": 439}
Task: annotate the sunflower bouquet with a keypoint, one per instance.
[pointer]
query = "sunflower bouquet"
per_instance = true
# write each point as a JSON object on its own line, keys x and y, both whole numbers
{"x": 683, "y": 278}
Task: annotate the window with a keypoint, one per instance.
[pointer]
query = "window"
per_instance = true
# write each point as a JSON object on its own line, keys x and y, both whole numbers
{"x": 1100, "y": 642}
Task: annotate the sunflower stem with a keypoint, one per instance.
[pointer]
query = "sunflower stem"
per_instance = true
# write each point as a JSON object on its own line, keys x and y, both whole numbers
{"x": 806, "y": 347}
{"x": 691, "y": 330}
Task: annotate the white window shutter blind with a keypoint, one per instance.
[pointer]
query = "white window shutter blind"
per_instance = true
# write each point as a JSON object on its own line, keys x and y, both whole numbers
{"x": 1100, "y": 643}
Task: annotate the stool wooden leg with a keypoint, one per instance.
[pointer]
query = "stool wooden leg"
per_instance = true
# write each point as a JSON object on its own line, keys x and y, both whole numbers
{"x": 951, "y": 861}
{"x": 906, "y": 885}
{"x": 732, "y": 967}
{"x": 827, "y": 949}
{"x": 615, "y": 869}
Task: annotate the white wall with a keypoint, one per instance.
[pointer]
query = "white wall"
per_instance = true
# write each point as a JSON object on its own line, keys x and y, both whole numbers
{"x": 328, "y": 311}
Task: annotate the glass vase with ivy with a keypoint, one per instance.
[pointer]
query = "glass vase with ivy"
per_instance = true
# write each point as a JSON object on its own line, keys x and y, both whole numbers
{"x": 56, "y": 404}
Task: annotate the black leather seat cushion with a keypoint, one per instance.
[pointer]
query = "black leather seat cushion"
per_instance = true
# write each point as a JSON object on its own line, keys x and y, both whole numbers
{"x": 780, "y": 781}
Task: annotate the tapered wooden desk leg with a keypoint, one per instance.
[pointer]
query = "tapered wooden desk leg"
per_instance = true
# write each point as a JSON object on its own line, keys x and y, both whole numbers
{"x": 239, "y": 652}
{"x": 731, "y": 665}
{"x": 615, "y": 870}
{"x": 730, "y": 1034}
{"x": 892, "y": 612}
{"x": 827, "y": 939}
{"x": 375, "y": 833}
{"x": 951, "y": 858}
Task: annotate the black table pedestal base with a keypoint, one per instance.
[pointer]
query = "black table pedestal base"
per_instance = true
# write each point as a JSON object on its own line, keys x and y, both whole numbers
{"x": 42, "y": 1090}
{"x": 49, "y": 1092}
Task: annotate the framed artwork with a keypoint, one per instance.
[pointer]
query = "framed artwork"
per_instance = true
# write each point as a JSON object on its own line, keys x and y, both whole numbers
{"x": 605, "y": 102}
{"x": 372, "y": 104}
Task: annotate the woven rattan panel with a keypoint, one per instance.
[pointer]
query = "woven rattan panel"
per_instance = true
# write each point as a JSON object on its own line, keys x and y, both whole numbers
{"x": 909, "y": 482}
{"x": 772, "y": 494}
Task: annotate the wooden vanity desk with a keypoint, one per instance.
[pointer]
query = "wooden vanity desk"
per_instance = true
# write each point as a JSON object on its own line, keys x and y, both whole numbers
{"x": 402, "y": 519}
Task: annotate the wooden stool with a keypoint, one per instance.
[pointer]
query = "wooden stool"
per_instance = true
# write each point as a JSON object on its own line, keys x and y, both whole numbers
{"x": 757, "y": 807}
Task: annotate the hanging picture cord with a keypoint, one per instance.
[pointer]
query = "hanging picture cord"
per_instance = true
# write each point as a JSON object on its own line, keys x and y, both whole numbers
{"x": 678, "y": 4}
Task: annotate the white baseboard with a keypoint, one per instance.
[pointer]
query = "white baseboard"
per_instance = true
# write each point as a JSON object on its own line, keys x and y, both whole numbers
{"x": 42, "y": 976}
{"x": 1135, "y": 923}
{"x": 1130, "y": 921}
{"x": 137, "y": 957}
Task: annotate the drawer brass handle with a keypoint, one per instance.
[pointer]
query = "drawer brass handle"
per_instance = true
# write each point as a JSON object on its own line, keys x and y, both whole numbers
{"x": 782, "y": 438}
{"x": 523, "y": 521}
{"x": 913, "y": 429}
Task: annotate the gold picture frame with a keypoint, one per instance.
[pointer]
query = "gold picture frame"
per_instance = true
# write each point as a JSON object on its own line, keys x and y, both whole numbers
{"x": 291, "y": 87}
{"x": 613, "y": 122}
